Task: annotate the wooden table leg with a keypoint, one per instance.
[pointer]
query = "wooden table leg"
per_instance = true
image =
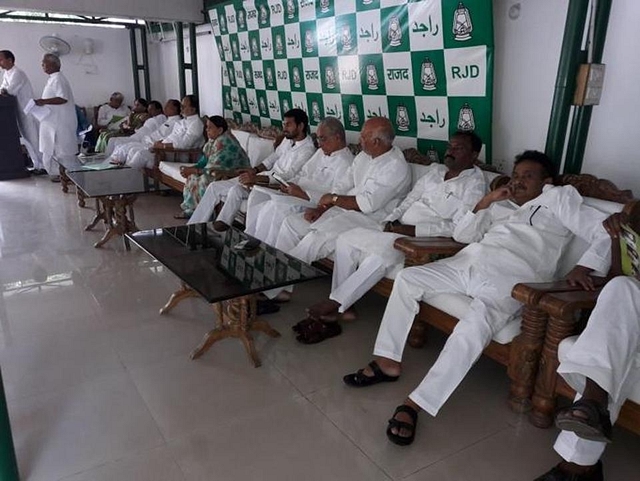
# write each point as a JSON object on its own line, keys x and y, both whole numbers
{"x": 101, "y": 214}
{"x": 64, "y": 179}
{"x": 236, "y": 318}
{"x": 81, "y": 198}
{"x": 116, "y": 209}
{"x": 181, "y": 294}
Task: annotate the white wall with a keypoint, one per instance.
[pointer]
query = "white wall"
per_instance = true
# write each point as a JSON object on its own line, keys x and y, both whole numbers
{"x": 185, "y": 10}
{"x": 163, "y": 59}
{"x": 93, "y": 77}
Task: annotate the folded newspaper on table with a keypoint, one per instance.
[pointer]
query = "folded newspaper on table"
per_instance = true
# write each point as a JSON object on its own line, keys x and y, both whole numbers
{"x": 39, "y": 112}
{"x": 630, "y": 251}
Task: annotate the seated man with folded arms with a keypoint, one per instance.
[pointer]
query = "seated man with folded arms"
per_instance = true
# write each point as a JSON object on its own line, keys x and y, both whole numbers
{"x": 601, "y": 367}
{"x": 113, "y": 113}
{"x": 153, "y": 123}
{"x": 187, "y": 133}
{"x": 294, "y": 151}
{"x": 125, "y": 151}
{"x": 329, "y": 170}
{"x": 516, "y": 233}
{"x": 365, "y": 256}
{"x": 381, "y": 177}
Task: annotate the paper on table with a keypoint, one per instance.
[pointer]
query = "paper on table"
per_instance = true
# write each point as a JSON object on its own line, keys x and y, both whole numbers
{"x": 40, "y": 113}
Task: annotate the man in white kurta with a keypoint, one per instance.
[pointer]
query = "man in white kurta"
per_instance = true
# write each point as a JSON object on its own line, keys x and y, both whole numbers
{"x": 187, "y": 133}
{"x": 515, "y": 234}
{"x": 293, "y": 152}
{"x": 113, "y": 113}
{"x": 443, "y": 194}
{"x": 603, "y": 366}
{"x": 328, "y": 170}
{"x": 153, "y": 123}
{"x": 58, "y": 129}
{"x": 15, "y": 82}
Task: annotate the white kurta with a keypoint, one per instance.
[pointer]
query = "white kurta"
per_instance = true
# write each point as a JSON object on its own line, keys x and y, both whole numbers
{"x": 286, "y": 161}
{"x": 111, "y": 118}
{"x": 606, "y": 352}
{"x": 379, "y": 185}
{"x": 187, "y": 133}
{"x": 150, "y": 126}
{"x": 512, "y": 244}
{"x": 364, "y": 256}
{"x": 267, "y": 209}
{"x": 58, "y": 130}
{"x": 126, "y": 151}
{"x": 16, "y": 83}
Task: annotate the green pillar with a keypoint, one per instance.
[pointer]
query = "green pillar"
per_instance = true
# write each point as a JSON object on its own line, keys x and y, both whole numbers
{"x": 8, "y": 463}
{"x": 134, "y": 61}
{"x": 180, "y": 47}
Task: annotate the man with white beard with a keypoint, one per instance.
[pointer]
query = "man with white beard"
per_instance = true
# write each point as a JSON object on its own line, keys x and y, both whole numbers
{"x": 15, "y": 82}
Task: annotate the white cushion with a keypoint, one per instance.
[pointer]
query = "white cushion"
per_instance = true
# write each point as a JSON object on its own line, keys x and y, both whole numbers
{"x": 563, "y": 350}
{"x": 489, "y": 177}
{"x": 172, "y": 169}
{"x": 242, "y": 136}
{"x": 258, "y": 149}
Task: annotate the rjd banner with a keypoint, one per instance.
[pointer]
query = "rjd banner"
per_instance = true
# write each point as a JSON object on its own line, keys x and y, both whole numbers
{"x": 426, "y": 65}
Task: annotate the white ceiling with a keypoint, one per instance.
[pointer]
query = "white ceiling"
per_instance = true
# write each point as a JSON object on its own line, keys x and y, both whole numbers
{"x": 166, "y": 10}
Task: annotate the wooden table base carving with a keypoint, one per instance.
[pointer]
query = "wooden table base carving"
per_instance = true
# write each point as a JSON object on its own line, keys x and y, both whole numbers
{"x": 235, "y": 318}
{"x": 65, "y": 182}
{"x": 117, "y": 213}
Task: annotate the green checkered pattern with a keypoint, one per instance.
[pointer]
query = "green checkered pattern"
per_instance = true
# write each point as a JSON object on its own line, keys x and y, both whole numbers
{"x": 426, "y": 65}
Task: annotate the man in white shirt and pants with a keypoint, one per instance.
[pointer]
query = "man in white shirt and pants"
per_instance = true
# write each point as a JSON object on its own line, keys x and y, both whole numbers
{"x": 15, "y": 82}
{"x": 58, "y": 129}
{"x": 328, "y": 170}
{"x": 153, "y": 123}
{"x": 113, "y": 113}
{"x": 443, "y": 194}
{"x": 516, "y": 234}
{"x": 187, "y": 133}
{"x": 293, "y": 152}
{"x": 126, "y": 151}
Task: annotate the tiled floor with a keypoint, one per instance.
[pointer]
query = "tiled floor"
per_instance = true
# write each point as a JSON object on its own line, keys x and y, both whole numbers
{"x": 100, "y": 386}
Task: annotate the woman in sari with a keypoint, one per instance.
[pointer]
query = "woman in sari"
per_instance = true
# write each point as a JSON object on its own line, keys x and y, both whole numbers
{"x": 222, "y": 157}
{"x": 133, "y": 122}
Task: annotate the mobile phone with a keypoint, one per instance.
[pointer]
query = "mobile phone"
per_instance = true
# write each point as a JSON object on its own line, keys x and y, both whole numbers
{"x": 279, "y": 179}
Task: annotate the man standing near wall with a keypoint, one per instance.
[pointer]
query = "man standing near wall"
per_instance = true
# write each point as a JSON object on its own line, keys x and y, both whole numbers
{"x": 15, "y": 82}
{"x": 58, "y": 128}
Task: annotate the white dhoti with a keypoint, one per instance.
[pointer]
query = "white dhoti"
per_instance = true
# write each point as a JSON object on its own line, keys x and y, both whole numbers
{"x": 266, "y": 211}
{"x": 121, "y": 152}
{"x": 115, "y": 142}
{"x": 607, "y": 352}
{"x": 362, "y": 258}
{"x": 490, "y": 309}
{"x": 140, "y": 158}
{"x": 216, "y": 192}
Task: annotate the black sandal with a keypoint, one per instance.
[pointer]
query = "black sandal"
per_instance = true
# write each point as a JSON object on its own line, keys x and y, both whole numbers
{"x": 316, "y": 331}
{"x": 595, "y": 426}
{"x": 359, "y": 379}
{"x": 302, "y": 325}
{"x": 398, "y": 425}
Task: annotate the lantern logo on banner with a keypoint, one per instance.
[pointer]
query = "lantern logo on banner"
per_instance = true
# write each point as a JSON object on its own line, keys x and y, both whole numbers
{"x": 228, "y": 99}
{"x": 395, "y": 31}
{"x": 270, "y": 77}
{"x": 255, "y": 50}
{"x": 285, "y": 105}
{"x": 264, "y": 15}
{"x": 372, "y": 77}
{"x": 402, "y": 118}
{"x": 466, "y": 121}
{"x": 367, "y": 2}
{"x": 354, "y": 116}
{"x": 462, "y": 26}
{"x": 241, "y": 20}
{"x": 279, "y": 45}
{"x": 291, "y": 9}
{"x": 297, "y": 80}
{"x": 223, "y": 23}
{"x": 308, "y": 41}
{"x": 432, "y": 155}
{"x": 263, "y": 107}
{"x": 347, "y": 39}
{"x": 315, "y": 111}
{"x": 428, "y": 75}
{"x": 234, "y": 48}
{"x": 330, "y": 77}
{"x": 324, "y": 6}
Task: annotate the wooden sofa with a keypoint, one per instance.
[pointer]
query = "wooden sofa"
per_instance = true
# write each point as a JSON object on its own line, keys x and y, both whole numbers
{"x": 567, "y": 311}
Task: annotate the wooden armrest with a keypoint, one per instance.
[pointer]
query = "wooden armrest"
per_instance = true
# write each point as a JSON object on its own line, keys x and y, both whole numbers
{"x": 563, "y": 305}
{"x": 420, "y": 250}
{"x": 161, "y": 154}
{"x": 530, "y": 293}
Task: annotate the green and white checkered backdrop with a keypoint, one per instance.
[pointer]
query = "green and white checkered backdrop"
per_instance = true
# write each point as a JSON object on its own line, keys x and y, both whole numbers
{"x": 427, "y": 65}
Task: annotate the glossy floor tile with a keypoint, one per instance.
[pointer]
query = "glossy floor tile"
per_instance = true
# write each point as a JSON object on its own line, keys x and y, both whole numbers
{"x": 100, "y": 387}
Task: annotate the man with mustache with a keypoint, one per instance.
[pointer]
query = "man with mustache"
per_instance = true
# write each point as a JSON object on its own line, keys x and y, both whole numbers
{"x": 516, "y": 233}
{"x": 364, "y": 256}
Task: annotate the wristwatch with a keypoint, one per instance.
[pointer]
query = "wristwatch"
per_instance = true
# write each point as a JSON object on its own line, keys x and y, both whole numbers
{"x": 334, "y": 199}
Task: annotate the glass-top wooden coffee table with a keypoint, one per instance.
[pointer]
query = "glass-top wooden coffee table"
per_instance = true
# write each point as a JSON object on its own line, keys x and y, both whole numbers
{"x": 228, "y": 271}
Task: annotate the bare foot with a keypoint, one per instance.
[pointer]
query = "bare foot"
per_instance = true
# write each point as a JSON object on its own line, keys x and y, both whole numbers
{"x": 349, "y": 315}
{"x": 283, "y": 296}
{"x": 324, "y": 309}
{"x": 387, "y": 366}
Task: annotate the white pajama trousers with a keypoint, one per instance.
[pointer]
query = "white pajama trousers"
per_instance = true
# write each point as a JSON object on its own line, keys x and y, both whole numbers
{"x": 272, "y": 216}
{"x": 216, "y": 192}
{"x": 256, "y": 204}
{"x": 488, "y": 312}
{"x": 608, "y": 353}
{"x": 140, "y": 158}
